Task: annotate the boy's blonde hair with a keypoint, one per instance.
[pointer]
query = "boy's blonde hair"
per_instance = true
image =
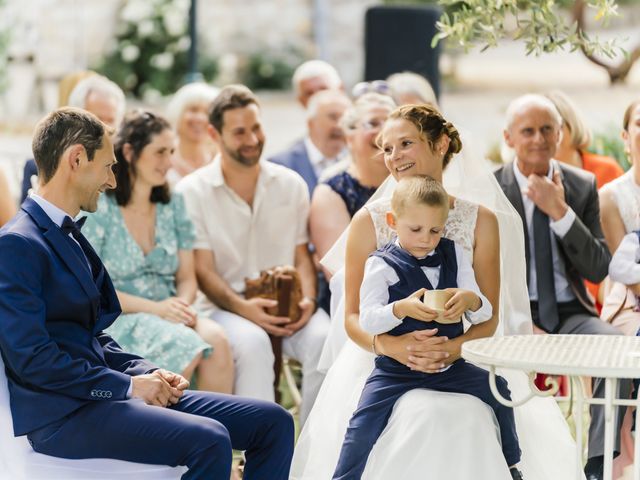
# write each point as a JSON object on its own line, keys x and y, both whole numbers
{"x": 418, "y": 190}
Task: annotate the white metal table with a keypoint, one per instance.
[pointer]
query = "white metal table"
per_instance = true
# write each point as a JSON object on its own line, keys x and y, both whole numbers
{"x": 608, "y": 356}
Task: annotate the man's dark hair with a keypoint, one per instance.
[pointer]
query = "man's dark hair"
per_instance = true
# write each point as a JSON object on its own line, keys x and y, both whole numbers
{"x": 229, "y": 98}
{"x": 61, "y": 129}
{"x": 137, "y": 129}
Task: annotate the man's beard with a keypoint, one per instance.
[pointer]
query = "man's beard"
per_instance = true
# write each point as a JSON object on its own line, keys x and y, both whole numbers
{"x": 242, "y": 159}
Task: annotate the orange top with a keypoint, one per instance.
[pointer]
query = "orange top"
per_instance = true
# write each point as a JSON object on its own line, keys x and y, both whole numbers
{"x": 604, "y": 168}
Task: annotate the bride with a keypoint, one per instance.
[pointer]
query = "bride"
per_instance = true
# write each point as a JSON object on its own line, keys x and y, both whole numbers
{"x": 432, "y": 434}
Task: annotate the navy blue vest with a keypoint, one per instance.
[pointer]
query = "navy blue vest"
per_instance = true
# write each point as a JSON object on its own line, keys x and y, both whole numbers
{"x": 412, "y": 278}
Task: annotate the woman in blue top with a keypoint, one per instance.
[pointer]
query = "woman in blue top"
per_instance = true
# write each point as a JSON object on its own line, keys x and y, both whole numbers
{"x": 144, "y": 237}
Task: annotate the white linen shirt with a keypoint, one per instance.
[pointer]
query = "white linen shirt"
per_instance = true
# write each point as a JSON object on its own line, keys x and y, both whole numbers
{"x": 624, "y": 266}
{"x": 557, "y": 228}
{"x": 376, "y": 313}
{"x": 246, "y": 239}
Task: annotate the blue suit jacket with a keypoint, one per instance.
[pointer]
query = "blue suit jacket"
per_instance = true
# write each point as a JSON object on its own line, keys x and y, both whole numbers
{"x": 297, "y": 159}
{"x": 30, "y": 169}
{"x": 52, "y": 316}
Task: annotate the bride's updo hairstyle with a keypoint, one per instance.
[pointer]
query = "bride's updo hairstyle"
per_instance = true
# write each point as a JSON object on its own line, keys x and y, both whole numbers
{"x": 431, "y": 125}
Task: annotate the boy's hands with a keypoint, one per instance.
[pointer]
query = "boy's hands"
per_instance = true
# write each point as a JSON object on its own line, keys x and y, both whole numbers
{"x": 460, "y": 302}
{"x": 414, "y": 307}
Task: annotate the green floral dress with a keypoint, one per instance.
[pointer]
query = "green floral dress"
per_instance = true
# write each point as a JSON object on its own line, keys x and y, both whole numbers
{"x": 169, "y": 345}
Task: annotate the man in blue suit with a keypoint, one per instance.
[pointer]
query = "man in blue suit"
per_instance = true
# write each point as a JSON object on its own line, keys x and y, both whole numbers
{"x": 325, "y": 142}
{"x": 74, "y": 392}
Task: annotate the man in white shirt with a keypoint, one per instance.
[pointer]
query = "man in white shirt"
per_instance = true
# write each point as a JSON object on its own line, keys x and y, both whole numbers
{"x": 250, "y": 216}
{"x": 564, "y": 243}
{"x": 325, "y": 142}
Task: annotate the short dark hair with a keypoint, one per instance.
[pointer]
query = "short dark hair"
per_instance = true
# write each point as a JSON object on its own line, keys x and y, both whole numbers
{"x": 61, "y": 129}
{"x": 418, "y": 190}
{"x": 229, "y": 98}
{"x": 137, "y": 129}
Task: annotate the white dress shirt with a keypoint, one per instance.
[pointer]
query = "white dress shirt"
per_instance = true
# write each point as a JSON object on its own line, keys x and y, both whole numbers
{"x": 376, "y": 313}
{"x": 557, "y": 228}
{"x": 624, "y": 266}
{"x": 318, "y": 161}
{"x": 57, "y": 216}
{"x": 246, "y": 239}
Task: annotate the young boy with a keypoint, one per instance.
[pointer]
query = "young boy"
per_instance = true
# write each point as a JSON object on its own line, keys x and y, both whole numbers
{"x": 395, "y": 279}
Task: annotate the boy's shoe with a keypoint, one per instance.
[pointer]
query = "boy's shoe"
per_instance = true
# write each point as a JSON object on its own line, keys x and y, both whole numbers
{"x": 516, "y": 474}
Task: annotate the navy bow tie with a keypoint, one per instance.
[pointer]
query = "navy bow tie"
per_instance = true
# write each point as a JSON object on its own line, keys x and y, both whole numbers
{"x": 434, "y": 260}
{"x": 70, "y": 227}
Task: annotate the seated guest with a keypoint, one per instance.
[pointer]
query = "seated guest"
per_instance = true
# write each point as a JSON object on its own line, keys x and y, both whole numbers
{"x": 572, "y": 150}
{"x": 619, "y": 202}
{"x": 408, "y": 88}
{"x": 313, "y": 76}
{"x": 7, "y": 203}
{"x": 559, "y": 207}
{"x": 93, "y": 93}
{"x": 324, "y": 144}
{"x": 251, "y": 215}
{"x": 338, "y": 198}
{"x": 73, "y": 391}
{"x": 142, "y": 234}
{"x": 187, "y": 112}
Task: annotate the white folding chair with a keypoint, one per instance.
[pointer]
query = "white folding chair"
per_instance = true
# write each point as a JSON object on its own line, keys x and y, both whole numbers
{"x": 18, "y": 461}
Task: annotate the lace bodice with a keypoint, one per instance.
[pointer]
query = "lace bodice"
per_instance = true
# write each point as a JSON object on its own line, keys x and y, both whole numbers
{"x": 460, "y": 225}
{"x": 626, "y": 194}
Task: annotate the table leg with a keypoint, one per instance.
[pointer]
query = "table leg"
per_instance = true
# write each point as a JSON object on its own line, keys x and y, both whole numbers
{"x": 578, "y": 388}
{"x": 609, "y": 416}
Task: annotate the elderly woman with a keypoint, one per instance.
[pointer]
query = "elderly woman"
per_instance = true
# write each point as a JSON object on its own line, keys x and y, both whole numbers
{"x": 188, "y": 113}
{"x": 144, "y": 237}
{"x": 338, "y": 198}
{"x": 576, "y": 138}
{"x": 408, "y": 88}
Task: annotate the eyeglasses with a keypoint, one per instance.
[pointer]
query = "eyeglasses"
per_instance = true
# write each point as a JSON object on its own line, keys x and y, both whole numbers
{"x": 377, "y": 86}
{"x": 370, "y": 125}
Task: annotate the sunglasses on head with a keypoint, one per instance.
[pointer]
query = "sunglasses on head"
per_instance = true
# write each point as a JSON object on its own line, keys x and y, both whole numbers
{"x": 377, "y": 86}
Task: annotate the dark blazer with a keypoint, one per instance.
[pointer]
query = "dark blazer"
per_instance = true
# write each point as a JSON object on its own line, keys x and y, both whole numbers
{"x": 52, "y": 316}
{"x": 30, "y": 169}
{"x": 583, "y": 248}
{"x": 297, "y": 159}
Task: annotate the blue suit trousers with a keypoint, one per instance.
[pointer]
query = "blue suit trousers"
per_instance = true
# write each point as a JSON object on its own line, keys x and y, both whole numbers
{"x": 385, "y": 386}
{"x": 199, "y": 432}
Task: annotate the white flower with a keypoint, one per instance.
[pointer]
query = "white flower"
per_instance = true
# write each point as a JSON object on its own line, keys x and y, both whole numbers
{"x": 162, "y": 61}
{"x": 145, "y": 28}
{"x": 183, "y": 44}
{"x": 151, "y": 95}
{"x": 174, "y": 21}
{"x": 130, "y": 53}
{"x": 135, "y": 11}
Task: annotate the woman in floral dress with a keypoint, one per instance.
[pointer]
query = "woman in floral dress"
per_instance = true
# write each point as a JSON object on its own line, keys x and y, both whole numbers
{"x": 144, "y": 237}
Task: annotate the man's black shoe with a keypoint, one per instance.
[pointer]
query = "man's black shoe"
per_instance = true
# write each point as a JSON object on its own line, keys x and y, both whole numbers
{"x": 594, "y": 469}
{"x": 516, "y": 474}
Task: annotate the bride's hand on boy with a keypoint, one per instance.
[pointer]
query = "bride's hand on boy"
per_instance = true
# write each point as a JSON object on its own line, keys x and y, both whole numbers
{"x": 460, "y": 302}
{"x": 427, "y": 352}
{"x": 414, "y": 307}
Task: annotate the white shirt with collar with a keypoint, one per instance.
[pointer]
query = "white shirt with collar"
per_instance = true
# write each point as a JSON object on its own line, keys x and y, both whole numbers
{"x": 557, "y": 228}
{"x": 57, "y": 216}
{"x": 246, "y": 239}
{"x": 624, "y": 266}
{"x": 318, "y": 161}
{"x": 376, "y": 313}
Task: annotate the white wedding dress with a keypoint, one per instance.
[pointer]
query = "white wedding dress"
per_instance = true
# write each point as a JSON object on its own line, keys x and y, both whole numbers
{"x": 435, "y": 435}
